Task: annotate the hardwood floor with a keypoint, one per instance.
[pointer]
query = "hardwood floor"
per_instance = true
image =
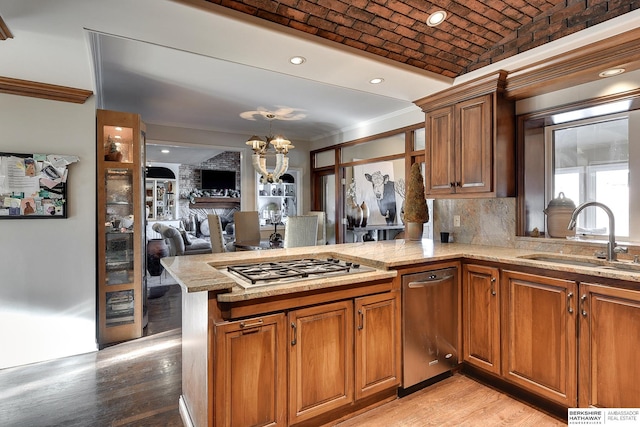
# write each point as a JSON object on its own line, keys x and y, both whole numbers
{"x": 138, "y": 383}
{"x": 455, "y": 401}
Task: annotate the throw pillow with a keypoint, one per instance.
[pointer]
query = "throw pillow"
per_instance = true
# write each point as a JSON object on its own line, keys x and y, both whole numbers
{"x": 204, "y": 227}
{"x": 185, "y": 237}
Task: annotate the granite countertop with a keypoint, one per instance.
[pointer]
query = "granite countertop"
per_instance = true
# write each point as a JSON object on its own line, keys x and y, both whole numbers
{"x": 198, "y": 273}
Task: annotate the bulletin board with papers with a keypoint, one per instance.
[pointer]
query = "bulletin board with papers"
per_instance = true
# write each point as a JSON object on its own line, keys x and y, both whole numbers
{"x": 34, "y": 185}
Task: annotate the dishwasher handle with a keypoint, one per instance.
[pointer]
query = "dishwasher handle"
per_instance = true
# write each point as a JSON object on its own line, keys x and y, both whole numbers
{"x": 431, "y": 281}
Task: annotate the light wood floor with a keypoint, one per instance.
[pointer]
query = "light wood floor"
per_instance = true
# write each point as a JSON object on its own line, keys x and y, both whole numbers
{"x": 454, "y": 401}
{"x": 138, "y": 383}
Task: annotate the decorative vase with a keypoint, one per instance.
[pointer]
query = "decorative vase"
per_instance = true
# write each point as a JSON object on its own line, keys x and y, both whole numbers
{"x": 351, "y": 215}
{"x": 413, "y": 230}
{"x": 156, "y": 249}
{"x": 365, "y": 214}
{"x": 358, "y": 211}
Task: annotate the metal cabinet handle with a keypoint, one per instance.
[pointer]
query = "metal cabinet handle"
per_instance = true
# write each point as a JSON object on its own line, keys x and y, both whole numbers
{"x": 493, "y": 286}
{"x": 583, "y": 300}
{"x": 452, "y": 184}
{"x": 569, "y": 296}
{"x": 295, "y": 334}
{"x": 433, "y": 280}
{"x": 361, "y": 325}
{"x": 251, "y": 325}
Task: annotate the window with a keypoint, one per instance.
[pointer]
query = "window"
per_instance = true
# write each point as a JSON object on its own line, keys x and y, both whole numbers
{"x": 588, "y": 160}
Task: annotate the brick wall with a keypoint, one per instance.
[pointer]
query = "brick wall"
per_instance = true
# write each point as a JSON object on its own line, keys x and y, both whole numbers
{"x": 189, "y": 178}
{"x": 476, "y": 33}
{"x": 227, "y": 161}
{"x": 565, "y": 18}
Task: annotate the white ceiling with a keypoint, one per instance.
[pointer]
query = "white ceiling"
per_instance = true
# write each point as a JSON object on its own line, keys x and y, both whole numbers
{"x": 188, "y": 67}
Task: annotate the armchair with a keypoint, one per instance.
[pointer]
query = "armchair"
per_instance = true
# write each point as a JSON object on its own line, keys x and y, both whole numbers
{"x": 176, "y": 241}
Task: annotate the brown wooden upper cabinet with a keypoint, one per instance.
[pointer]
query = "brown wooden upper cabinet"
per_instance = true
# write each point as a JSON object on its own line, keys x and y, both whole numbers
{"x": 470, "y": 140}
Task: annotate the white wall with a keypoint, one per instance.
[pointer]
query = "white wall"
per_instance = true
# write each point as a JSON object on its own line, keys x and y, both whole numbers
{"x": 48, "y": 266}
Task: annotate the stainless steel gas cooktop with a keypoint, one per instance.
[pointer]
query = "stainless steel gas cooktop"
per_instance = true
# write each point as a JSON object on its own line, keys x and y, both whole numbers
{"x": 278, "y": 272}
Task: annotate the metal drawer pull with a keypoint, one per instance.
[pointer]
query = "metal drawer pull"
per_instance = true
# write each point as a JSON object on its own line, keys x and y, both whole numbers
{"x": 361, "y": 325}
{"x": 569, "y": 296}
{"x": 493, "y": 284}
{"x": 251, "y": 325}
{"x": 295, "y": 334}
{"x": 433, "y": 281}
{"x": 583, "y": 299}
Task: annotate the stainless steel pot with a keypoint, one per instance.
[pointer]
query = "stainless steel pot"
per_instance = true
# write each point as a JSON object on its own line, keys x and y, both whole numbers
{"x": 559, "y": 213}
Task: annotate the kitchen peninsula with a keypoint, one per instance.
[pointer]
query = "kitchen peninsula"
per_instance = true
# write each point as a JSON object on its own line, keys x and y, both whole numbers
{"x": 316, "y": 350}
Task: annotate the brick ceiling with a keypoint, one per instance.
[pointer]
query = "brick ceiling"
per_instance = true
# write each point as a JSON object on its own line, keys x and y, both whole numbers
{"x": 475, "y": 34}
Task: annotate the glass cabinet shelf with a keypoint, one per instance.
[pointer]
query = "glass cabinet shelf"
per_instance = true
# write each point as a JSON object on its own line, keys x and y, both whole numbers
{"x": 120, "y": 307}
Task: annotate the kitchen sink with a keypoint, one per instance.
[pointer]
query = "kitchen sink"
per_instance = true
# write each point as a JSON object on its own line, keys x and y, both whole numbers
{"x": 567, "y": 259}
{"x": 581, "y": 261}
{"x": 624, "y": 266}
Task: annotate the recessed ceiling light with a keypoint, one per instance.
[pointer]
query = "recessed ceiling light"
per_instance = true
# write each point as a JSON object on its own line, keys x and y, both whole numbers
{"x": 165, "y": 151}
{"x": 436, "y": 18}
{"x": 118, "y": 128}
{"x": 297, "y": 60}
{"x": 117, "y": 137}
{"x": 376, "y": 81}
{"x": 612, "y": 72}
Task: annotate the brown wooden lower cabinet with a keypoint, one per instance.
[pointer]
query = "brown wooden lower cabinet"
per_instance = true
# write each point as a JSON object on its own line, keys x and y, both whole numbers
{"x": 377, "y": 328}
{"x": 251, "y": 372}
{"x": 574, "y": 343}
{"x": 291, "y": 367}
{"x": 609, "y": 339}
{"x": 481, "y": 317}
{"x": 540, "y": 335}
{"x": 320, "y": 360}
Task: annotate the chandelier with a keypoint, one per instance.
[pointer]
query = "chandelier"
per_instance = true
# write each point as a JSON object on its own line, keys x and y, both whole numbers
{"x": 261, "y": 150}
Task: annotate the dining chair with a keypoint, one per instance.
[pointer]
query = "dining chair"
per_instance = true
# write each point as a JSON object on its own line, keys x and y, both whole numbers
{"x": 301, "y": 231}
{"x": 247, "y": 227}
{"x": 321, "y": 238}
{"x": 215, "y": 233}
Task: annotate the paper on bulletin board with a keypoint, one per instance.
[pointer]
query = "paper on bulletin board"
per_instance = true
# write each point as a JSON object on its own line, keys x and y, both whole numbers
{"x": 33, "y": 185}
{"x": 18, "y": 180}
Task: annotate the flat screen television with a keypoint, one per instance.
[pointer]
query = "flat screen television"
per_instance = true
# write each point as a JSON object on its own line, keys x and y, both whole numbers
{"x": 217, "y": 180}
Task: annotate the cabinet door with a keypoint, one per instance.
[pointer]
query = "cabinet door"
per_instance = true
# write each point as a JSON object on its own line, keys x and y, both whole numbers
{"x": 473, "y": 149}
{"x": 320, "y": 360}
{"x": 250, "y": 372}
{"x": 609, "y": 336}
{"x": 539, "y": 335}
{"x": 481, "y": 317}
{"x": 377, "y": 343}
{"x": 440, "y": 158}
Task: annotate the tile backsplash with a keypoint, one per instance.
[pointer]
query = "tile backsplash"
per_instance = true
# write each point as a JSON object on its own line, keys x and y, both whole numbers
{"x": 482, "y": 221}
{"x": 493, "y": 222}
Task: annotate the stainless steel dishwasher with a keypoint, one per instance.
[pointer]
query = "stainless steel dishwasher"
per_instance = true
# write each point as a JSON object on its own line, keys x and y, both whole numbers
{"x": 429, "y": 324}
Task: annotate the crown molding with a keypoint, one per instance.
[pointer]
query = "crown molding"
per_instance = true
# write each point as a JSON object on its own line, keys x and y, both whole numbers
{"x": 4, "y": 30}
{"x": 575, "y": 67}
{"x": 43, "y": 90}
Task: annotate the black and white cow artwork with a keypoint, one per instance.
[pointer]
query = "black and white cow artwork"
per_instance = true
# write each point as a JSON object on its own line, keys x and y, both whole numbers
{"x": 385, "y": 194}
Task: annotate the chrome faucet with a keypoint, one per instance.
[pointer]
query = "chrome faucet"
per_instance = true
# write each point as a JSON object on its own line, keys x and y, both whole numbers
{"x": 612, "y": 249}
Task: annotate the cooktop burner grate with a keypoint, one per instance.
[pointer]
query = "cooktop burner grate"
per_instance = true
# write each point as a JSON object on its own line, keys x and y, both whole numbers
{"x": 301, "y": 268}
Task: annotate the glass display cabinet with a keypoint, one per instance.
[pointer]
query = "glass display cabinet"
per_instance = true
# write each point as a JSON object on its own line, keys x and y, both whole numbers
{"x": 121, "y": 215}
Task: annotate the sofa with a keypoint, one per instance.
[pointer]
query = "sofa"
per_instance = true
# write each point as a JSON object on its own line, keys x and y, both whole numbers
{"x": 180, "y": 242}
